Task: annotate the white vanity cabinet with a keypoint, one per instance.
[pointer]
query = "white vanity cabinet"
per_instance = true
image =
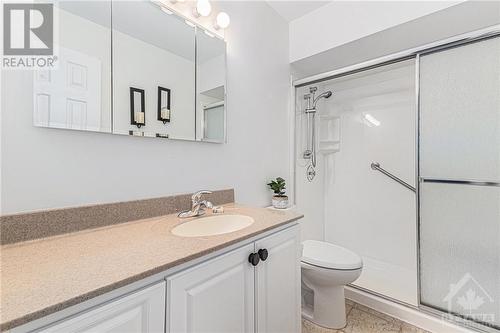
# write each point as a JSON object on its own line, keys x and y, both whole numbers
{"x": 216, "y": 296}
{"x": 142, "y": 311}
{"x": 229, "y": 294}
{"x": 277, "y": 283}
{"x": 225, "y": 293}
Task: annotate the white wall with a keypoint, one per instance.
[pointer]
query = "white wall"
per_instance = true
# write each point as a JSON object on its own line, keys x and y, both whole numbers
{"x": 341, "y": 22}
{"x": 48, "y": 168}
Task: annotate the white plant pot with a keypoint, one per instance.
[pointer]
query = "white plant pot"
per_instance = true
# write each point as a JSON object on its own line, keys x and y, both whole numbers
{"x": 280, "y": 202}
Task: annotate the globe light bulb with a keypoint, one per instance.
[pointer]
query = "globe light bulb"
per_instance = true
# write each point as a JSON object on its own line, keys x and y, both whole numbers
{"x": 222, "y": 21}
{"x": 203, "y": 7}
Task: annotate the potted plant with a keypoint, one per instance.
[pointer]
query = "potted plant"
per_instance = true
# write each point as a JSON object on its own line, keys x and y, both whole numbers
{"x": 280, "y": 200}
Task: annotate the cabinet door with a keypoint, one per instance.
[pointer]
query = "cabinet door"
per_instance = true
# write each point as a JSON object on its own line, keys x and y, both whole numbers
{"x": 140, "y": 312}
{"x": 216, "y": 296}
{"x": 278, "y": 283}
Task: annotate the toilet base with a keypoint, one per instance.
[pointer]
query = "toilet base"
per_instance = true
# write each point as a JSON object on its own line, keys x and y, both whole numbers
{"x": 329, "y": 308}
{"x": 332, "y": 269}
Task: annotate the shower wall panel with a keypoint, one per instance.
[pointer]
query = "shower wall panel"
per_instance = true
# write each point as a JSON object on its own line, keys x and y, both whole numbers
{"x": 366, "y": 211}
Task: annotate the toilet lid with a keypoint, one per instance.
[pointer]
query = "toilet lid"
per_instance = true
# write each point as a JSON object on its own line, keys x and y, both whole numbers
{"x": 328, "y": 255}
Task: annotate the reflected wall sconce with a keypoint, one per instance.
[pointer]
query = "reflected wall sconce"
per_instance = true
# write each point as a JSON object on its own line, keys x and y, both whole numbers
{"x": 164, "y": 112}
{"x": 137, "y": 107}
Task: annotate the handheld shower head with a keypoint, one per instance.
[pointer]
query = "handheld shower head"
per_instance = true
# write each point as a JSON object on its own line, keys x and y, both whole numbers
{"x": 310, "y": 110}
{"x": 326, "y": 94}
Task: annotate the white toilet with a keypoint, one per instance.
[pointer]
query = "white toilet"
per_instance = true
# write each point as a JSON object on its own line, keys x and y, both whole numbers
{"x": 326, "y": 269}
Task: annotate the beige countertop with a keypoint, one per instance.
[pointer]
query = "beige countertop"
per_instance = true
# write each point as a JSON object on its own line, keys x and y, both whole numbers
{"x": 44, "y": 276}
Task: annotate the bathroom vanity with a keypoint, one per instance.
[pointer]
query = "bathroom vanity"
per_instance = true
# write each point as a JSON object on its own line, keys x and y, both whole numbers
{"x": 140, "y": 277}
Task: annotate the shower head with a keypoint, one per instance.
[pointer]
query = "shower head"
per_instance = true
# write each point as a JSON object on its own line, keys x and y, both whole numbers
{"x": 326, "y": 94}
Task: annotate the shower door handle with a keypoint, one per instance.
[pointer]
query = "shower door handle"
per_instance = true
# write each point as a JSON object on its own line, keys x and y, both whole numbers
{"x": 460, "y": 182}
{"x": 376, "y": 166}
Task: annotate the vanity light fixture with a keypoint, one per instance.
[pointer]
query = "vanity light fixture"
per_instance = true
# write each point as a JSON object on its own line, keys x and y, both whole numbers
{"x": 203, "y": 8}
{"x": 222, "y": 21}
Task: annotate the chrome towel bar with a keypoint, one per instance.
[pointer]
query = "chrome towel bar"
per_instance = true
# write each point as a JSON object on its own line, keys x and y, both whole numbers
{"x": 376, "y": 166}
{"x": 460, "y": 182}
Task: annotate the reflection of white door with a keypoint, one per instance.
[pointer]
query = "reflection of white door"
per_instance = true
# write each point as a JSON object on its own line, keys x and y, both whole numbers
{"x": 69, "y": 97}
{"x": 213, "y": 122}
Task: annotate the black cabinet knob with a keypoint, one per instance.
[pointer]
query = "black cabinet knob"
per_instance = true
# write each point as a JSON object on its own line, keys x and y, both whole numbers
{"x": 263, "y": 254}
{"x": 253, "y": 258}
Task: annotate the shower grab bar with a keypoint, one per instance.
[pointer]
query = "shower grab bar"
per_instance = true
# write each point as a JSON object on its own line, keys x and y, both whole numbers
{"x": 376, "y": 166}
{"x": 460, "y": 182}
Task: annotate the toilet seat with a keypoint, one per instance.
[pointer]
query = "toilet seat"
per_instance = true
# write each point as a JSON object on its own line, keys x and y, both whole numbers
{"x": 330, "y": 256}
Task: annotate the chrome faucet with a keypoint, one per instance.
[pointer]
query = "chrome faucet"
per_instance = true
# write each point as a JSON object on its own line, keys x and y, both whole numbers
{"x": 197, "y": 205}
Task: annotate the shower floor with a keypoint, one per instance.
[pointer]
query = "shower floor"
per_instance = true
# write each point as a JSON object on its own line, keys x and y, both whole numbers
{"x": 361, "y": 319}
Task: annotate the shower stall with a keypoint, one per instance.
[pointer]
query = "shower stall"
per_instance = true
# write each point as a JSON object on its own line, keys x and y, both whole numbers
{"x": 407, "y": 174}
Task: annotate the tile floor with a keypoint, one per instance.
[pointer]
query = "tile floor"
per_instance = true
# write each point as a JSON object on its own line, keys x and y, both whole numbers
{"x": 361, "y": 319}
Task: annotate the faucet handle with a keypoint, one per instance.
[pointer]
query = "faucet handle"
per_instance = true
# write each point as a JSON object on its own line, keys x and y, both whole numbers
{"x": 197, "y": 196}
{"x": 208, "y": 204}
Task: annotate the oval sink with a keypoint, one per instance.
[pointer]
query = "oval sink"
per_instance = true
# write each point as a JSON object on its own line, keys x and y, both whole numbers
{"x": 212, "y": 225}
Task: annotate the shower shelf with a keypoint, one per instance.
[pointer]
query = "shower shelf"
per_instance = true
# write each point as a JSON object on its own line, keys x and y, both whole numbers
{"x": 329, "y": 134}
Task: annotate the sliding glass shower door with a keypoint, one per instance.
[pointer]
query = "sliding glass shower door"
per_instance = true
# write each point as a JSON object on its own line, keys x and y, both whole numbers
{"x": 460, "y": 177}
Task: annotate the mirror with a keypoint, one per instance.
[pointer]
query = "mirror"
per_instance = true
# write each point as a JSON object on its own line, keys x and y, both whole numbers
{"x": 77, "y": 94}
{"x": 131, "y": 68}
{"x": 153, "y": 52}
{"x": 210, "y": 87}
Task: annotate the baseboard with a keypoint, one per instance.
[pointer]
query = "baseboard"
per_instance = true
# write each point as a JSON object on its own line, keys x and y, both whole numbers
{"x": 404, "y": 313}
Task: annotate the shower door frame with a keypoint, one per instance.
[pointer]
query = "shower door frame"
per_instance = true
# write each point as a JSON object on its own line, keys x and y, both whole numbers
{"x": 457, "y": 319}
{"x": 416, "y": 53}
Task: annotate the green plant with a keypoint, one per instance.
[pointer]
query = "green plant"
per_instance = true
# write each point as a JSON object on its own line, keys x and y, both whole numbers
{"x": 278, "y": 186}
